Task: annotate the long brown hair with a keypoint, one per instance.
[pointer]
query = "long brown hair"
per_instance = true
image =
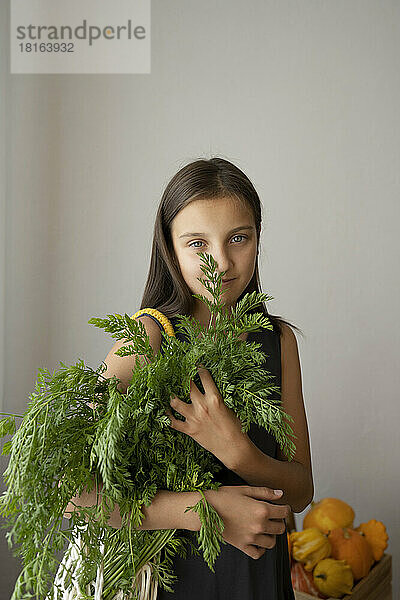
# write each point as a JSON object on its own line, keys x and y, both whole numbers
{"x": 165, "y": 288}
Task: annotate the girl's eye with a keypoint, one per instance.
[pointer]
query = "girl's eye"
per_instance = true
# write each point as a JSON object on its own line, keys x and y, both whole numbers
{"x": 240, "y": 235}
{"x": 199, "y": 242}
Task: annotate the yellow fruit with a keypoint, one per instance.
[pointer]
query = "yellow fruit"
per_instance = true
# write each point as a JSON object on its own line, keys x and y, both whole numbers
{"x": 333, "y": 577}
{"x": 309, "y": 546}
{"x": 376, "y": 535}
{"x": 329, "y": 514}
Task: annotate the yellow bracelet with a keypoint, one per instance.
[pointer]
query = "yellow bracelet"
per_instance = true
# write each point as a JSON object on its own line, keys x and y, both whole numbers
{"x": 165, "y": 322}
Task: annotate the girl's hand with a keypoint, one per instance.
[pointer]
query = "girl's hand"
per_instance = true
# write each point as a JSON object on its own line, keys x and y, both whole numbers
{"x": 251, "y": 520}
{"x": 208, "y": 420}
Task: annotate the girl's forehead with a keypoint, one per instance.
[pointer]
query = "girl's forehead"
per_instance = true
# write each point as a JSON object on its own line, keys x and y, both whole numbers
{"x": 212, "y": 211}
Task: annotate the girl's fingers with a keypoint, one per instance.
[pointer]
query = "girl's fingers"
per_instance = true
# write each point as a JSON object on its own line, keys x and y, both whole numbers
{"x": 171, "y": 417}
{"x": 175, "y": 424}
{"x": 180, "y": 406}
{"x": 208, "y": 384}
{"x": 195, "y": 394}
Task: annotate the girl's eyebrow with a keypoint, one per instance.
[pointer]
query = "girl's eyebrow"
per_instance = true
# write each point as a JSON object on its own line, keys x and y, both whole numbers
{"x": 231, "y": 231}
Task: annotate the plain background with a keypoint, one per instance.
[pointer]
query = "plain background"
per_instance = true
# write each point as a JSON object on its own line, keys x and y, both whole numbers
{"x": 302, "y": 96}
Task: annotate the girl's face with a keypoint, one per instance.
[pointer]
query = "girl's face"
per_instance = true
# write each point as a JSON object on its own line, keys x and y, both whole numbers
{"x": 225, "y": 228}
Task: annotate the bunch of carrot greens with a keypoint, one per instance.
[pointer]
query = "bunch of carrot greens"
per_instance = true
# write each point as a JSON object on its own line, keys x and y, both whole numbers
{"x": 79, "y": 431}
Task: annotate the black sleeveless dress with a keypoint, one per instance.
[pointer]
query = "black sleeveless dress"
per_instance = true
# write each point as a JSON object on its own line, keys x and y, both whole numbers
{"x": 238, "y": 576}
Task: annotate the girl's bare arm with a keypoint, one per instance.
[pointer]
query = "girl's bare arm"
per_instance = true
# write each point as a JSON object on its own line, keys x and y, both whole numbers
{"x": 167, "y": 510}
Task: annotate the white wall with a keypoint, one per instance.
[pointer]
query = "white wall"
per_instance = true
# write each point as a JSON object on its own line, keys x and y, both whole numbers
{"x": 4, "y": 80}
{"x": 304, "y": 98}
{"x": 9, "y": 565}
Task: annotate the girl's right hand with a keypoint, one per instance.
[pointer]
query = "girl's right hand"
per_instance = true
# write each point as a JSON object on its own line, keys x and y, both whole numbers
{"x": 250, "y": 518}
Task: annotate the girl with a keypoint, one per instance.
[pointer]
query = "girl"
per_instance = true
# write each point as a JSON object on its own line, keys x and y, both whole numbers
{"x": 211, "y": 206}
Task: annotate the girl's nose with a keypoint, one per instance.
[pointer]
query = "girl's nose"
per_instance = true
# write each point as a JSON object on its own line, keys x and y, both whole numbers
{"x": 224, "y": 263}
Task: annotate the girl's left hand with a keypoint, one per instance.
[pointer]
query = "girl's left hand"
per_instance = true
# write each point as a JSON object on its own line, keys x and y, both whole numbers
{"x": 208, "y": 420}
